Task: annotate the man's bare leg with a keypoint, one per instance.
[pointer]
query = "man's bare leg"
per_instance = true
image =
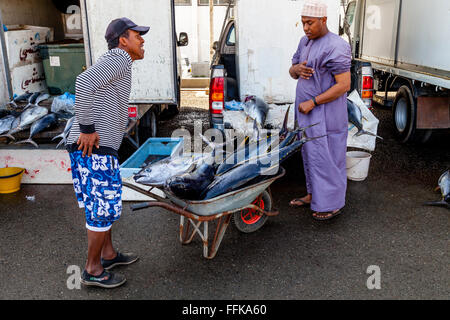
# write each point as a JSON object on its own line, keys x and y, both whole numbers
{"x": 108, "y": 252}
{"x": 96, "y": 241}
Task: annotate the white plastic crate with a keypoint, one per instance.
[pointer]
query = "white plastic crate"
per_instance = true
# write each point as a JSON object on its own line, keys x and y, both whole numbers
{"x": 25, "y": 64}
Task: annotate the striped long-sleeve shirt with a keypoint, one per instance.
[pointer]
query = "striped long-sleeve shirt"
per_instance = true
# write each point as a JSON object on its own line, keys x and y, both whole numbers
{"x": 101, "y": 102}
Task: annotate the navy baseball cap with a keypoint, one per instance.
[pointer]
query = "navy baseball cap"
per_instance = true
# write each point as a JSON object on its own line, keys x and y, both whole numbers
{"x": 119, "y": 26}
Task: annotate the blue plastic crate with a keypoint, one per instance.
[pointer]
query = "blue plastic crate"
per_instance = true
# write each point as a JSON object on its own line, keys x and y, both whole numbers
{"x": 160, "y": 148}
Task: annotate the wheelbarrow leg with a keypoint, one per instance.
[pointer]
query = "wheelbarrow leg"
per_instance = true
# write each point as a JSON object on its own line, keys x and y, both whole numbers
{"x": 220, "y": 231}
{"x": 185, "y": 238}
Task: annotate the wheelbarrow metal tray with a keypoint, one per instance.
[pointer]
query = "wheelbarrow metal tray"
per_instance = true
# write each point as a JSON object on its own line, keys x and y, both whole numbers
{"x": 158, "y": 147}
{"x": 227, "y": 202}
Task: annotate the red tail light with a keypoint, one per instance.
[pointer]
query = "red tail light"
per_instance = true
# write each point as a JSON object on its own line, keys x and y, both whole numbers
{"x": 367, "y": 88}
{"x": 216, "y": 95}
{"x": 367, "y": 83}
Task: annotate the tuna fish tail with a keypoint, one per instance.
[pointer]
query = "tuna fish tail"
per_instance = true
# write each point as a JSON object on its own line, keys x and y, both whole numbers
{"x": 58, "y": 136}
{"x": 361, "y": 132}
{"x": 284, "y": 129}
{"x": 306, "y": 139}
{"x": 13, "y": 103}
{"x": 29, "y": 140}
{"x": 8, "y": 136}
{"x": 60, "y": 143}
{"x": 304, "y": 128}
{"x": 256, "y": 133}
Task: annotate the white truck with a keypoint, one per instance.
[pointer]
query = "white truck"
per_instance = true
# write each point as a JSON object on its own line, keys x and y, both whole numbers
{"x": 156, "y": 79}
{"x": 404, "y": 45}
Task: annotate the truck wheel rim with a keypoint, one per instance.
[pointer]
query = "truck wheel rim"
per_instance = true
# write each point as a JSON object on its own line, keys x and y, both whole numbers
{"x": 251, "y": 216}
{"x": 401, "y": 115}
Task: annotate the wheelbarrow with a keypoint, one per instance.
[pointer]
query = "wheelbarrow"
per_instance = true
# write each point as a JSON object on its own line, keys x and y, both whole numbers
{"x": 249, "y": 207}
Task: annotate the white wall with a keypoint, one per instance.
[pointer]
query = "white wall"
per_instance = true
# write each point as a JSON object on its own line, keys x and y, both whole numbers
{"x": 194, "y": 20}
{"x": 265, "y": 53}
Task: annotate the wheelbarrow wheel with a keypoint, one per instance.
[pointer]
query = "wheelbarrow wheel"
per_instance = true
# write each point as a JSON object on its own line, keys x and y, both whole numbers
{"x": 249, "y": 220}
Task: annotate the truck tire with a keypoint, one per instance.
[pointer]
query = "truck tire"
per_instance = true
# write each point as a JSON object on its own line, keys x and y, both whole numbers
{"x": 248, "y": 220}
{"x": 404, "y": 115}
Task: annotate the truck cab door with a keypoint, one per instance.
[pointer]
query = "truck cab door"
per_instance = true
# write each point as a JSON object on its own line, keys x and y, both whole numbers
{"x": 228, "y": 50}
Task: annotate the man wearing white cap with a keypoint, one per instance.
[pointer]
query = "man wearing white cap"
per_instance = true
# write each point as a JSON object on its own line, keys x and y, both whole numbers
{"x": 321, "y": 65}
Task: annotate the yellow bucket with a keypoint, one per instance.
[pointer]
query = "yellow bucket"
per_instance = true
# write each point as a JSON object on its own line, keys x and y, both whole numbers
{"x": 10, "y": 179}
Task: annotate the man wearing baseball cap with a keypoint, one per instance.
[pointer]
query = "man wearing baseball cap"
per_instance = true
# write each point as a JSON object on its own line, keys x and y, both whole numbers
{"x": 101, "y": 115}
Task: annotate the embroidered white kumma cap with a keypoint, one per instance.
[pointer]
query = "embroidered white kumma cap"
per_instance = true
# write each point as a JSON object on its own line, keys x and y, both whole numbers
{"x": 314, "y": 8}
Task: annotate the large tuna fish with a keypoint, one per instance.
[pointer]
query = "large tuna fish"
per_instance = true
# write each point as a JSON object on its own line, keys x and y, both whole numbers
{"x": 258, "y": 148}
{"x": 157, "y": 173}
{"x": 256, "y": 109}
{"x": 32, "y": 99}
{"x": 40, "y": 125}
{"x": 191, "y": 185}
{"x": 355, "y": 118}
{"x": 23, "y": 97}
{"x": 6, "y": 123}
{"x": 25, "y": 120}
{"x": 246, "y": 172}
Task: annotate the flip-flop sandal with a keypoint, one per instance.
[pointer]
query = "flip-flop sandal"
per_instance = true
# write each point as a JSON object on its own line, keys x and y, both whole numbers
{"x": 304, "y": 203}
{"x": 321, "y": 216}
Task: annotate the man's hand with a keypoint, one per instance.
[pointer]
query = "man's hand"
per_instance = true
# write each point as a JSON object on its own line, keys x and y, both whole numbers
{"x": 87, "y": 141}
{"x": 301, "y": 70}
{"x": 306, "y": 106}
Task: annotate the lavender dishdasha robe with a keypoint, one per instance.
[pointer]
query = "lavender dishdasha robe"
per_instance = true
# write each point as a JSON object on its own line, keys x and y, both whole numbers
{"x": 325, "y": 158}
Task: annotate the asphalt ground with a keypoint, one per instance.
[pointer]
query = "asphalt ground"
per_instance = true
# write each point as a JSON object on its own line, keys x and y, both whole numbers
{"x": 291, "y": 257}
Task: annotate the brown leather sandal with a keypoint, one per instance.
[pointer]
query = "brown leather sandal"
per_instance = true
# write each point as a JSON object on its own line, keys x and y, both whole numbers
{"x": 321, "y": 216}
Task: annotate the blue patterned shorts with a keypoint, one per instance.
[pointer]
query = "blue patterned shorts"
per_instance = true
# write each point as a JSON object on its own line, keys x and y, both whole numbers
{"x": 98, "y": 188}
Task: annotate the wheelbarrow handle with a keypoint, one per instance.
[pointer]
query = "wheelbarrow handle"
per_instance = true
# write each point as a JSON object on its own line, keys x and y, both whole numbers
{"x": 140, "y": 206}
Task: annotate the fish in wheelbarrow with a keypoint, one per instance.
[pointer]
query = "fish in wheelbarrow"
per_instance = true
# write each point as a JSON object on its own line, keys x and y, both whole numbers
{"x": 6, "y": 123}
{"x": 256, "y": 109}
{"x": 157, "y": 173}
{"x": 190, "y": 186}
{"x": 444, "y": 185}
{"x": 40, "y": 125}
{"x": 258, "y": 148}
{"x": 25, "y": 120}
{"x": 65, "y": 132}
{"x": 246, "y": 172}
{"x": 355, "y": 118}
